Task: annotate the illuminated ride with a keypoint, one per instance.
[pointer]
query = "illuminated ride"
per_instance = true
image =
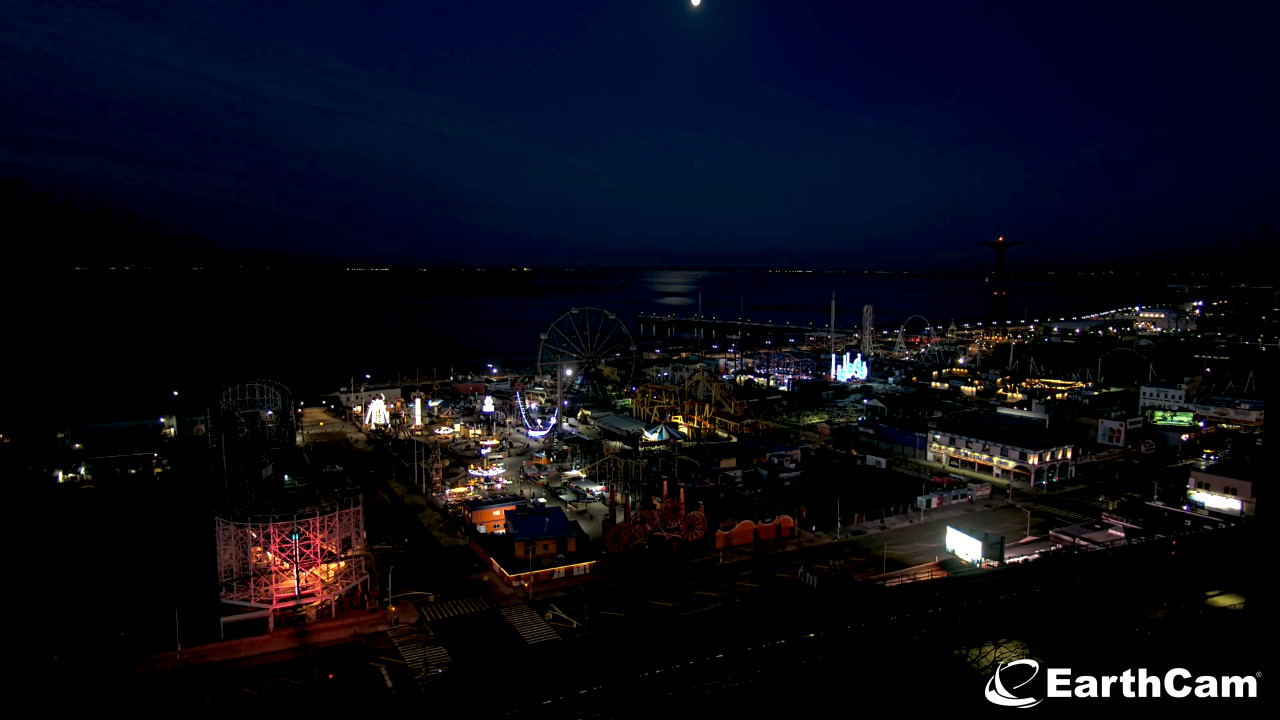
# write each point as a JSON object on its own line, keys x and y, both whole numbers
{"x": 305, "y": 558}
{"x": 377, "y": 417}
{"x": 921, "y": 346}
{"x": 487, "y": 445}
{"x": 847, "y": 371}
{"x": 781, "y": 368}
{"x": 482, "y": 471}
{"x": 278, "y": 548}
{"x": 540, "y": 425}
{"x": 586, "y": 351}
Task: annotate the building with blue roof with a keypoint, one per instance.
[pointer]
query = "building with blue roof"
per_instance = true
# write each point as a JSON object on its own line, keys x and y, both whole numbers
{"x": 539, "y": 544}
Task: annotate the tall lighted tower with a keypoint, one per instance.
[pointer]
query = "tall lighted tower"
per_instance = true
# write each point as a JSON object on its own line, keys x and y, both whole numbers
{"x": 997, "y": 311}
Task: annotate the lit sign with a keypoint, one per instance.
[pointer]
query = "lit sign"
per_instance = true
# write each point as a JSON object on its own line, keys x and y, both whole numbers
{"x": 1169, "y": 417}
{"x": 846, "y": 371}
{"x": 1217, "y": 502}
{"x": 964, "y": 547}
{"x": 488, "y": 404}
{"x": 417, "y": 411}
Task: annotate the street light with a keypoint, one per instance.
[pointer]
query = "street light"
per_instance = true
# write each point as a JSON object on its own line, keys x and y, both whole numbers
{"x": 389, "y": 571}
{"x": 1155, "y": 493}
{"x": 884, "y": 556}
{"x": 838, "y": 498}
{"x": 1028, "y": 512}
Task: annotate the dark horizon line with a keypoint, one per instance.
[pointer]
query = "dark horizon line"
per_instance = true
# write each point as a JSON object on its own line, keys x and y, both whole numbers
{"x": 299, "y": 263}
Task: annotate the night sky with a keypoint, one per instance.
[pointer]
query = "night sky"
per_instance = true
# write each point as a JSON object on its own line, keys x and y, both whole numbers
{"x": 737, "y": 133}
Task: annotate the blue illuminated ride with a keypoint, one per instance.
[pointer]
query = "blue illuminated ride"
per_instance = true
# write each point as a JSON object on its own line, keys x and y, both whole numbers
{"x": 845, "y": 371}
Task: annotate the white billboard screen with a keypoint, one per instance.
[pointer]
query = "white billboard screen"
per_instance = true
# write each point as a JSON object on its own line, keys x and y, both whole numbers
{"x": 963, "y": 546}
{"x": 1217, "y": 502}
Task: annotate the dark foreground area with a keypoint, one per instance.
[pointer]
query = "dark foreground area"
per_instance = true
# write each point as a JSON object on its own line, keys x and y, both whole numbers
{"x": 907, "y": 650}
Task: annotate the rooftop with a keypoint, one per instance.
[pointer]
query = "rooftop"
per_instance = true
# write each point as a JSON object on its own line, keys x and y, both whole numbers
{"x": 623, "y": 424}
{"x": 1004, "y": 432}
{"x": 537, "y": 523}
{"x": 1234, "y": 469}
{"x": 1235, "y": 403}
{"x": 494, "y": 500}
{"x": 1093, "y": 532}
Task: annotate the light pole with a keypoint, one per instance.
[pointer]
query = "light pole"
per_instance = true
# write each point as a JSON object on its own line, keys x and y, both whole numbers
{"x": 1155, "y": 492}
{"x": 884, "y": 557}
{"x": 1028, "y": 512}
{"x": 389, "y": 571}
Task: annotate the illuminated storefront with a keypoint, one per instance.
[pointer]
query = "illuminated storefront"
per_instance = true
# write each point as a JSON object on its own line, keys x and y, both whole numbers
{"x": 1012, "y": 459}
{"x": 1226, "y": 488}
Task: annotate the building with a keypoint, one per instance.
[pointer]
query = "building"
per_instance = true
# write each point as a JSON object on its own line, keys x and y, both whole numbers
{"x": 1161, "y": 320}
{"x": 353, "y": 398}
{"x": 1001, "y": 451}
{"x": 1164, "y": 396}
{"x": 1146, "y": 520}
{"x": 622, "y": 428}
{"x": 471, "y": 387}
{"x": 1118, "y": 432}
{"x": 1104, "y": 399}
{"x": 540, "y": 545}
{"x": 1231, "y": 413}
{"x": 489, "y": 515}
{"x": 1225, "y": 488}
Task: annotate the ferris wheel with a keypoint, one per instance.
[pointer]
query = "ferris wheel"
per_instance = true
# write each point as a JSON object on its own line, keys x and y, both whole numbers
{"x": 582, "y": 341}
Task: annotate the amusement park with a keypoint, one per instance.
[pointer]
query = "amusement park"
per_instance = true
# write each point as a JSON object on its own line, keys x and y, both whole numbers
{"x": 663, "y": 467}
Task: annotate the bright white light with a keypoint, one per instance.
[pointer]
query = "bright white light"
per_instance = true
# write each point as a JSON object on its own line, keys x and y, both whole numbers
{"x": 695, "y": 3}
{"x": 568, "y": 372}
{"x": 1217, "y": 502}
{"x": 963, "y": 546}
{"x": 377, "y": 414}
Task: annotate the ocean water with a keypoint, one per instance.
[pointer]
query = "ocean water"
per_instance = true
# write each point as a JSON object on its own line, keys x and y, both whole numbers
{"x": 118, "y": 343}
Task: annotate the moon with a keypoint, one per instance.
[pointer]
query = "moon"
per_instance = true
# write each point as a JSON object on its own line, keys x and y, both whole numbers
{"x": 696, "y": 3}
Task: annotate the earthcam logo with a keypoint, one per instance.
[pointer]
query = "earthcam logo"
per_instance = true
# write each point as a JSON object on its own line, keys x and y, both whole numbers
{"x": 997, "y": 693}
{"x": 1176, "y": 683}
